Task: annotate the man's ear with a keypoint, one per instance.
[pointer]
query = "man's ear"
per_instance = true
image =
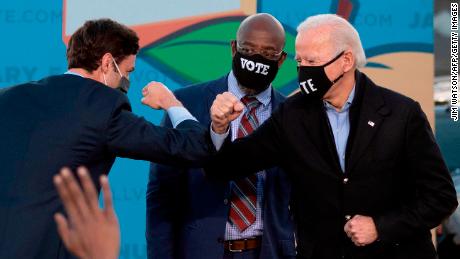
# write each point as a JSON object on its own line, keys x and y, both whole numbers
{"x": 233, "y": 46}
{"x": 282, "y": 59}
{"x": 105, "y": 62}
{"x": 349, "y": 61}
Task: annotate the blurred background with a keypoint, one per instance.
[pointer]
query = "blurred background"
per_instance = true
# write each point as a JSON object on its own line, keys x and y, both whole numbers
{"x": 185, "y": 42}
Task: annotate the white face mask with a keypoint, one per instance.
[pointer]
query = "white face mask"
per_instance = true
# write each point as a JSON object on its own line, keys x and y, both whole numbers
{"x": 124, "y": 83}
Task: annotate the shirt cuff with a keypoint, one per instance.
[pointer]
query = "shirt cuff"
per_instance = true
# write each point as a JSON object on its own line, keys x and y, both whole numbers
{"x": 218, "y": 139}
{"x": 178, "y": 114}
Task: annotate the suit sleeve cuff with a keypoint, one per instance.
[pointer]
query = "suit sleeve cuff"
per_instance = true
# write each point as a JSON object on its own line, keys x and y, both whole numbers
{"x": 178, "y": 114}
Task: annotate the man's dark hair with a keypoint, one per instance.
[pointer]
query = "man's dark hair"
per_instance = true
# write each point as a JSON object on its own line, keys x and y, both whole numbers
{"x": 97, "y": 37}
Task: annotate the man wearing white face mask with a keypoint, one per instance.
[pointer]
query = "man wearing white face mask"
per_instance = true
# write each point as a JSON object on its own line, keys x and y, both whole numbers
{"x": 122, "y": 85}
{"x": 78, "y": 119}
{"x": 124, "y": 82}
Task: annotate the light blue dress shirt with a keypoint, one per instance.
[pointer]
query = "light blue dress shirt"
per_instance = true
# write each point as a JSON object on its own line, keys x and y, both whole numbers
{"x": 177, "y": 114}
{"x": 340, "y": 126}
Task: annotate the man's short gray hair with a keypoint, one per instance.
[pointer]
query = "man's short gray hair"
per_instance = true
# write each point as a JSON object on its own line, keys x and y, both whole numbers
{"x": 343, "y": 34}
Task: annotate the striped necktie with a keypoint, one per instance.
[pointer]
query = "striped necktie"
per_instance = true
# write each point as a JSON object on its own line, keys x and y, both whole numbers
{"x": 244, "y": 191}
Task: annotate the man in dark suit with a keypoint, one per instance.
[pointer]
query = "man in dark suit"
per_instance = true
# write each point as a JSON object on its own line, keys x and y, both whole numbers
{"x": 79, "y": 118}
{"x": 368, "y": 178}
{"x": 189, "y": 216}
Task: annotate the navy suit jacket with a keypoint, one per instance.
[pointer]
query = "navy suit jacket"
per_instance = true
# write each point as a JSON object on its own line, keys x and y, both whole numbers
{"x": 68, "y": 120}
{"x": 187, "y": 212}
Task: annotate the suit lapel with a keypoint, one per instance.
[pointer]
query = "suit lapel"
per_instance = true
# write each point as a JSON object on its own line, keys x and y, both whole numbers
{"x": 218, "y": 87}
{"x": 372, "y": 112}
{"x": 277, "y": 99}
{"x": 315, "y": 124}
{"x": 365, "y": 132}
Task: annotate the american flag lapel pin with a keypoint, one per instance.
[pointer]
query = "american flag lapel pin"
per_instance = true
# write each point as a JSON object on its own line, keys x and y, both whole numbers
{"x": 371, "y": 123}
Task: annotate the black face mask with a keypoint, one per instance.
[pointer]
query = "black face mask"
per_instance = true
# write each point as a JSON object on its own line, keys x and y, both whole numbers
{"x": 254, "y": 72}
{"x": 313, "y": 81}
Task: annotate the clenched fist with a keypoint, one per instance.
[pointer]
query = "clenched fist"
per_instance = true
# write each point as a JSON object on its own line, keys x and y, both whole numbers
{"x": 225, "y": 108}
{"x": 158, "y": 96}
{"x": 361, "y": 230}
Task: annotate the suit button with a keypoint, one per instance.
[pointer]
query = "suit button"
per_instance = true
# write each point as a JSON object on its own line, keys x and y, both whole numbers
{"x": 345, "y": 180}
{"x": 225, "y": 201}
{"x": 220, "y": 240}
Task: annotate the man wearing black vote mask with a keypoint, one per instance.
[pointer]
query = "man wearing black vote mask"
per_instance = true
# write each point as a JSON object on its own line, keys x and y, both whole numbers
{"x": 189, "y": 216}
{"x": 368, "y": 179}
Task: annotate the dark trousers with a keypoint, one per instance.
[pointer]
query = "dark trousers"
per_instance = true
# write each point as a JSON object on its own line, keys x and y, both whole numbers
{"x": 249, "y": 254}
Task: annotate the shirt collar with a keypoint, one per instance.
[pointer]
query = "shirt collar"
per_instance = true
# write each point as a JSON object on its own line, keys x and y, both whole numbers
{"x": 72, "y": 73}
{"x": 264, "y": 97}
{"x": 348, "y": 103}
